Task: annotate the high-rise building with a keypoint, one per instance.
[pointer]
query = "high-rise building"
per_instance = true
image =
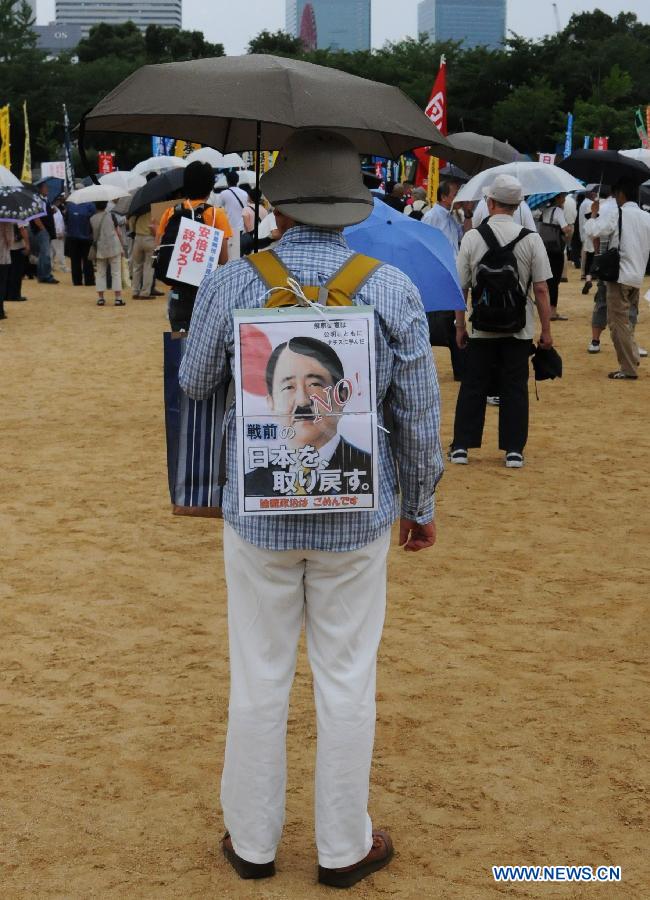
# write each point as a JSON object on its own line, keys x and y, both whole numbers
{"x": 86, "y": 13}
{"x": 338, "y": 24}
{"x": 474, "y": 22}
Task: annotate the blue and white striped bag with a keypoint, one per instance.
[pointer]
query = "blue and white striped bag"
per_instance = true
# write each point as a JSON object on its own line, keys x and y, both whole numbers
{"x": 194, "y": 430}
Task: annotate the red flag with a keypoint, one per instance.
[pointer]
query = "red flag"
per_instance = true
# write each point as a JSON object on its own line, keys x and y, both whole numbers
{"x": 437, "y": 111}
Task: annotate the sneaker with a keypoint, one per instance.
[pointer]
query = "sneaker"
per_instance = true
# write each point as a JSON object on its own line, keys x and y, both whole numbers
{"x": 642, "y": 352}
{"x": 586, "y": 287}
{"x": 458, "y": 456}
{"x": 594, "y": 347}
{"x": 493, "y": 401}
{"x": 514, "y": 460}
{"x": 119, "y": 302}
{"x": 622, "y": 376}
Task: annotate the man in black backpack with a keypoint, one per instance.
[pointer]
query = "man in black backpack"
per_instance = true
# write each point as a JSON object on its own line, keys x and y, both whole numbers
{"x": 500, "y": 261}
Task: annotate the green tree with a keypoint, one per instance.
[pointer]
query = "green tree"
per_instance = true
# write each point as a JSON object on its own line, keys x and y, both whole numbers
{"x": 528, "y": 116}
{"x": 174, "y": 44}
{"x": 124, "y": 41}
{"x": 18, "y": 35}
{"x": 279, "y": 43}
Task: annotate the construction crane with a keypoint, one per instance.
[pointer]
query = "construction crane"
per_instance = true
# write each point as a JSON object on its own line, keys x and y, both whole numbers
{"x": 558, "y": 24}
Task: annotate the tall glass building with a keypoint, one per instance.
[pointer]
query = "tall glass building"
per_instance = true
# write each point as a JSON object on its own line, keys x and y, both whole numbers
{"x": 339, "y": 24}
{"x": 86, "y": 13}
{"x": 474, "y": 22}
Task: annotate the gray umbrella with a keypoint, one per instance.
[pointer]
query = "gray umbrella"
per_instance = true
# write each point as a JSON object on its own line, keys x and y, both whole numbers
{"x": 162, "y": 187}
{"x": 475, "y": 152}
{"x": 221, "y": 102}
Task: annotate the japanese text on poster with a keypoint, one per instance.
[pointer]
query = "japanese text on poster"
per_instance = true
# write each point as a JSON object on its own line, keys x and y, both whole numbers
{"x": 195, "y": 253}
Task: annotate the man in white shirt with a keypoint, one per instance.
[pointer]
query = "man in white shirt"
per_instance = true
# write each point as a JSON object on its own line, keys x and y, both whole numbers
{"x": 234, "y": 201}
{"x": 506, "y": 355}
{"x": 522, "y": 215}
{"x": 627, "y": 228}
{"x": 441, "y": 216}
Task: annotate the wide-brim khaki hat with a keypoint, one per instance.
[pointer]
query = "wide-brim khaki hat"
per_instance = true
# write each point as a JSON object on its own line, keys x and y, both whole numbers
{"x": 317, "y": 180}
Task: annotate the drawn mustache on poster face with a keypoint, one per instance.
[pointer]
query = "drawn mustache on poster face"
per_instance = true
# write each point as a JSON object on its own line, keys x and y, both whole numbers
{"x": 305, "y": 412}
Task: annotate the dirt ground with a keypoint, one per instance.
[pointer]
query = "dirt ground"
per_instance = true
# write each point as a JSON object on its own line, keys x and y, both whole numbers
{"x": 513, "y": 685}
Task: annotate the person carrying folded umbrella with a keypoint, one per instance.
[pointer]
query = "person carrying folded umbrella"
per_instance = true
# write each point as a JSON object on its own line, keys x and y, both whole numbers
{"x": 328, "y": 568}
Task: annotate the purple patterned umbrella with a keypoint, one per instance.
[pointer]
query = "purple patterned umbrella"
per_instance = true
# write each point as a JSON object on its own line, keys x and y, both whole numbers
{"x": 20, "y": 205}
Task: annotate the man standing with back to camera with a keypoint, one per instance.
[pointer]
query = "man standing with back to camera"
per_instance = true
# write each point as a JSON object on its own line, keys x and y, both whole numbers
{"x": 328, "y": 568}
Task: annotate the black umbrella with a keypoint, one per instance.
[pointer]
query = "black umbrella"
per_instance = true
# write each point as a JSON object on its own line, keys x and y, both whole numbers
{"x": 162, "y": 187}
{"x": 19, "y": 205}
{"x": 604, "y": 166}
{"x": 475, "y": 152}
{"x": 454, "y": 173}
{"x": 257, "y": 101}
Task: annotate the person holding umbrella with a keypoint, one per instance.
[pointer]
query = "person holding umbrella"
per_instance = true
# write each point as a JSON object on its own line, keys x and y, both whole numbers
{"x": 328, "y": 568}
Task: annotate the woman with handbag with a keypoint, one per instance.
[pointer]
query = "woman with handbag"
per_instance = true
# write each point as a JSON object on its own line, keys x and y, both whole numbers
{"x": 555, "y": 232}
{"x": 107, "y": 250}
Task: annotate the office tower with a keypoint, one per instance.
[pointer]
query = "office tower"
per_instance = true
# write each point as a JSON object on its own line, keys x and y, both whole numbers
{"x": 474, "y": 22}
{"x": 142, "y": 12}
{"x": 337, "y": 24}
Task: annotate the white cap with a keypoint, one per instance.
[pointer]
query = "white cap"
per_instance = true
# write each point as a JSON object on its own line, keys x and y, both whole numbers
{"x": 506, "y": 189}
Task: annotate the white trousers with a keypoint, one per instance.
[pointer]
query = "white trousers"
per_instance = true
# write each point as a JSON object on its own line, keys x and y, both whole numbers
{"x": 342, "y": 598}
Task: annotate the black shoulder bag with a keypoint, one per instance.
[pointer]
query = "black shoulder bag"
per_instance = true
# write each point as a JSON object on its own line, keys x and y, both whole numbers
{"x": 606, "y": 266}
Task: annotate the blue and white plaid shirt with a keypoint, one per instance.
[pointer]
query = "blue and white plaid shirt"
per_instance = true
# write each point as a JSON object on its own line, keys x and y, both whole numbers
{"x": 406, "y": 377}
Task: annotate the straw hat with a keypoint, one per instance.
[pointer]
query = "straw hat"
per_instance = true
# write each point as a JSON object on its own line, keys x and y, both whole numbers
{"x": 317, "y": 180}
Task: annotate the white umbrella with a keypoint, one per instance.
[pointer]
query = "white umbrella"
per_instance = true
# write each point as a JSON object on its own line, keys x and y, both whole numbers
{"x": 536, "y": 178}
{"x": 8, "y": 179}
{"x": 158, "y": 164}
{"x": 126, "y": 180}
{"x": 247, "y": 177}
{"x": 97, "y": 193}
{"x": 639, "y": 153}
{"x": 232, "y": 161}
{"x": 206, "y": 155}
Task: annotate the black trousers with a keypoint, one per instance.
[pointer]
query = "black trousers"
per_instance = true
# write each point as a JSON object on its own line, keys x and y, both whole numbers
{"x": 80, "y": 266}
{"x": 557, "y": 267}
{"x": 507, "y": 359}
{"x": 16, "y": 273}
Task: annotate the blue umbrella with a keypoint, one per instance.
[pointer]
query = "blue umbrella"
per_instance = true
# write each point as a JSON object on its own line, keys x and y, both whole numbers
{"x": 420, "y": 251}
{"x": 54, "y": 187}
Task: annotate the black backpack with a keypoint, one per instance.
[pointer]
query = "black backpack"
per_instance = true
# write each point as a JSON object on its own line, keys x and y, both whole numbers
{"x": 163, "y": 253}
{"x": 498, "y": 299}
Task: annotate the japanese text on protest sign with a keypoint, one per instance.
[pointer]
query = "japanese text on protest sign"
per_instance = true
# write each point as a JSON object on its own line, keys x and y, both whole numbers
{"x": 196, "y": 252}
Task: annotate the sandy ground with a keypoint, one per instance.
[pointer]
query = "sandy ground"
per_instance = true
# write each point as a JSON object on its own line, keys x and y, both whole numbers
{"x": 513, "y": 688}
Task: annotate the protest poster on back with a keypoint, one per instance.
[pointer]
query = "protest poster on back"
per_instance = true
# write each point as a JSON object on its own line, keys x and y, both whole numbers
{"x": 306, "y": 410}
{"x": 195, "y": 253}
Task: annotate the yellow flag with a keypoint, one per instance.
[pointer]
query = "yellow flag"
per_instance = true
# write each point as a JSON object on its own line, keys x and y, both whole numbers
{"x": 184, "y": 148}
{"x": 5, "y": 154}
{"x": 27, "y": 156}
{"x": 434, "y": 180}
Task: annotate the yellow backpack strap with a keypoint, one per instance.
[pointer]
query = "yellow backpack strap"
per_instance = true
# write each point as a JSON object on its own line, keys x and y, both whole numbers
{"x": 270, "y": 268}
{"x": 350, "y": 278}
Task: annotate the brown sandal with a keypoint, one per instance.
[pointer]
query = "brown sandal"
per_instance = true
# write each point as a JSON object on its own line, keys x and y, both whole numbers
{"x": 241, "y": 866}
{"x": 380, "y": 855}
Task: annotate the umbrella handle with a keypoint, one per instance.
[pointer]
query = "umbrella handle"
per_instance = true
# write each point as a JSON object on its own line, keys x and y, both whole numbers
{"x": 258, "y": 164}
{"x": 82, "y": 149}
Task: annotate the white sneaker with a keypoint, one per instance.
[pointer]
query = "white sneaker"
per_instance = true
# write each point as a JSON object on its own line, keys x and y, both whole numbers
{"x": 514, "y": 460}
{"x": 642, "y": 352}
{"x": 493, "y": 401}
{"x": 458, "y": 456}
{"x": 593, "y": 347}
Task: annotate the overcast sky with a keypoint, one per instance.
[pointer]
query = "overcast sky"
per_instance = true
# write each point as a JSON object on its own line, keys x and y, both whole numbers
{"x": 234, "y": 23}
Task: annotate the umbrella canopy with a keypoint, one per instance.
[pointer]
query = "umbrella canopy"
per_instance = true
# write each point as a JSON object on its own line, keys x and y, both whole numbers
{"x": 639, "y": 153}
{"x": 54, "y": 187}
{"x": 232, "y": 161}
{"x": 536, "y": 178}
{"x": 454, "y": 173}
{"x": 125, "y": 180}
{"x": 420, "y": 251}
{"x": 474, "y": 152}
{"x": 206, "y": 154}
{"x": 8, "y": 179}
{"x": 19, "y": 205}
{"x": 158, "y": 164}
{"x": 604, "y": 166}
{"x": 97, "y": 193}
{"x": 161, "y": 188}
{"x": 219, "y": 102}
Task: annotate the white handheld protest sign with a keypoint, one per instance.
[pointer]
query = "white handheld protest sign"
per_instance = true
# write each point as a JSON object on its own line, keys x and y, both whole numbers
{"x": 306, "y": 410}
{"x": 196, "y": 252}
